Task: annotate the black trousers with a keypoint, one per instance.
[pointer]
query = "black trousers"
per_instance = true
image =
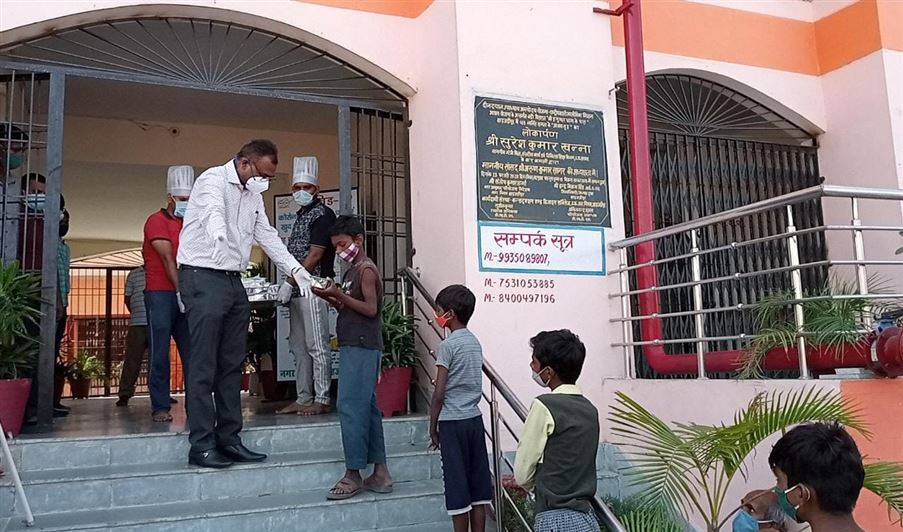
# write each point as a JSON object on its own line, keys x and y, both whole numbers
{"x": 218, "y": 312}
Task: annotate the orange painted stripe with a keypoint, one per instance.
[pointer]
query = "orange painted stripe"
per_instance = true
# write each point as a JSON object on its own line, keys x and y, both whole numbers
{"x": 724, "y": 34}
{"x": 847, "y": 35}
{"x": 880, "y": 400}
{"x": 890, "y": 20}
{"x": 398, "y": 8}
{"x": 708, "y": 31}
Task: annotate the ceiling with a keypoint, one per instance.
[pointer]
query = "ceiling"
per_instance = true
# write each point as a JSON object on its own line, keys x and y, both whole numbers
{"x": 161, "y": 104}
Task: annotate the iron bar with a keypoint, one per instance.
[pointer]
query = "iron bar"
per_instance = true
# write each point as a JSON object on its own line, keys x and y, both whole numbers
{"x": 859, "y": 253}
{"x": 496, "y": 456}
{"x": 17, "y": 481}
{"x": 797, "y": 283}
{"x": 627, "y": 327}
{"x": 698, "y": 305}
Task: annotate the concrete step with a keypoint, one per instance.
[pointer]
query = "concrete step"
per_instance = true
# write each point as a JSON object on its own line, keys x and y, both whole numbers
{"x": 413, "y": 506}
{"x": 323, "y": 433}
{"x": 116, "y": 486}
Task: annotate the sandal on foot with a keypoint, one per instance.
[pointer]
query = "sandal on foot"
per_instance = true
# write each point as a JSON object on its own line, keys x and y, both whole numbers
{"x": 162, "y": 416}
{"x": 387, "y": 488}
{"x": 344, "y": 489}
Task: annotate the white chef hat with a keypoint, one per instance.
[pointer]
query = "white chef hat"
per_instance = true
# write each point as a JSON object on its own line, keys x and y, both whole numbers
{"x": 305, "y": 171}
{"x": 179, "y": 180}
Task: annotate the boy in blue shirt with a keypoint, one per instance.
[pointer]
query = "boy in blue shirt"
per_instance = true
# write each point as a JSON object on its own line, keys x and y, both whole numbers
{"x": 456, "y": 423}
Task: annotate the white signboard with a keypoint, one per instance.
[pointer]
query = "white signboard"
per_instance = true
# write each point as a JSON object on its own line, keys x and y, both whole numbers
{"x": 285, "y": 213}
{"x": 540, "y": 249}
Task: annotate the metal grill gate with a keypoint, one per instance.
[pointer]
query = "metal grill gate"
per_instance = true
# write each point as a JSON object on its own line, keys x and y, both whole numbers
{"x": 699, "y": 174}
{"x": 379, "y": 169}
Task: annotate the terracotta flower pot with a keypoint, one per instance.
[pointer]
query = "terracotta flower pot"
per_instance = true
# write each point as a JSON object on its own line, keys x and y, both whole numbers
{"x": 245, "y": 382}
{"x": 392, "y": 390}
{"x": 81, "y": 387}
{"x": 13, "y": 398}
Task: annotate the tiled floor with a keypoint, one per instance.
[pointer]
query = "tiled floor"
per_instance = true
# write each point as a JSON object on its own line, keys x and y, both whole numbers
{"x": 101, "y": 417}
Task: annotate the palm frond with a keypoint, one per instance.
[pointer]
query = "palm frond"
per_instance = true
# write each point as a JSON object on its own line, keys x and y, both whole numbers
{"x": 885, "y": 479}
{"x": 768, "y": 414}
{"x": 660, "y": 461}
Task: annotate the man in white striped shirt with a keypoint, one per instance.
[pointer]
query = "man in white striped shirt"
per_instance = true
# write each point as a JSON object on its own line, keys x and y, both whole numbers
{"x": 225, "y": 216}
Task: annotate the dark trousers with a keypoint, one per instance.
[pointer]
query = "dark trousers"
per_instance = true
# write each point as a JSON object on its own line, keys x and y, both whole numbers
{"x": 218, "y": 313}
{"x": 135, "y": 347}
{"x": 164, "y": 322}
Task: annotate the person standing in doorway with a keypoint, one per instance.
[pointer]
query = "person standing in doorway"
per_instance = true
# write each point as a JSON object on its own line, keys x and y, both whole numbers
{"x": 165, "y": 312}
{"x": 309, "y": 316}
{"x": 225, "y": 216}
{"x": 136, "y": 338}
{"x": 360, "y": 331}
{"x": 64, "y": 255}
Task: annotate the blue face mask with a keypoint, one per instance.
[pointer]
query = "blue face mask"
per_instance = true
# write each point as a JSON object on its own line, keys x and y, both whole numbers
{"x": 35, "y": 202}
{"x": 303, "y": 197}
{"x": 13, "y": 160}
{"x": 179, "y": 211}
{"x": 745, "y": 522}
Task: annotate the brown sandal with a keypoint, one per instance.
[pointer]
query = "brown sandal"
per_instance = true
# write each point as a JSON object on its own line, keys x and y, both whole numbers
{"x": 161, "y": 416}
{"x": 340, "y": 491}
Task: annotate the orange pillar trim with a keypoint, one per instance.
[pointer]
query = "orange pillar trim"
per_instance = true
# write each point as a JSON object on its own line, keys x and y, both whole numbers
{"x": 398, "y": 8}
{"x": 706, "y": 31}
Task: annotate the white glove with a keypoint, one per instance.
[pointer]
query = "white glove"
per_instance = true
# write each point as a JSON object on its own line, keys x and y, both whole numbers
{"x": 302, "y": 277}
{"x": 220, "y": 250}
{"x": 179, "y": 301}
{"x": 285, "y": 293}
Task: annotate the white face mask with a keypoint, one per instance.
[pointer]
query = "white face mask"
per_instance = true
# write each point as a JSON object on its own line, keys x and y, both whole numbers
{"x": 303, "y": 197}
{"x": 258, "y": 185}
{"x": 537, "y": 378}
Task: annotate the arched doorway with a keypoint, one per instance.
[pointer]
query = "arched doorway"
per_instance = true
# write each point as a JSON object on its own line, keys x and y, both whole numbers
{"x": 713, "y": 149}
{"x": 219, "y": 62}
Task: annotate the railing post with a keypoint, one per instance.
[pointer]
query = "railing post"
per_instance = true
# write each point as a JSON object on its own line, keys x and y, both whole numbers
{"x": 496, "y": 458}
{"x": 862, "y": 279}
{"x": 796, "y": 280}
{"x": 698, "y": 305}
{"x": 10, "y": 464}
{"x": 405, "y": 304}
{"x": 626, "y": 325}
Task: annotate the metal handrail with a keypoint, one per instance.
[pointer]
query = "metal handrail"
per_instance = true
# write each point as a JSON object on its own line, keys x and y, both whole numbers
{"x": 17, "y": 481}
{"x": 498, "y": 385}
{"x": 820, "y": 191}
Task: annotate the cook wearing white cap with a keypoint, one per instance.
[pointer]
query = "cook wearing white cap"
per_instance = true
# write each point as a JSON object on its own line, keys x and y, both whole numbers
{"x": 311, "y": 245}
{"x": 165, "y": 312}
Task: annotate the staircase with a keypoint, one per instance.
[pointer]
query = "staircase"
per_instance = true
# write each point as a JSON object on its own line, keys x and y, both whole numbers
{"x": 143, "y": 482}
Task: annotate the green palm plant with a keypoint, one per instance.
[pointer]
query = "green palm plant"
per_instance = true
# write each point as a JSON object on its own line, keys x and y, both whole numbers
{"x": 688, "y": 468}
{"x": 398, "y": 337}
{"x": 829, "y": 321}
{"x": 20, "y": 307}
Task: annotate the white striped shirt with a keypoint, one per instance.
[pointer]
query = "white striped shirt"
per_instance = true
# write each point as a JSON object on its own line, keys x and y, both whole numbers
{"x": 221, "y": 206}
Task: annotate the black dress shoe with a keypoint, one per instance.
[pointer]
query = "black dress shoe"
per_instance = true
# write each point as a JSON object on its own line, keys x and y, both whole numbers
{"x": 211, "y": 458}
{"x": 240, "y": 453}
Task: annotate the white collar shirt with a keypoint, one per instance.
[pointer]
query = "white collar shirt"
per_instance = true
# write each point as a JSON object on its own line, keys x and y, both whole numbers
{"x": 221, "y": 206}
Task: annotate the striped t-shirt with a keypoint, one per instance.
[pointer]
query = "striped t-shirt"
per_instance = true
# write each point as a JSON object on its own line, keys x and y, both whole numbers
{"x": 462, "y": 354}
{"x": 134, "y": 289}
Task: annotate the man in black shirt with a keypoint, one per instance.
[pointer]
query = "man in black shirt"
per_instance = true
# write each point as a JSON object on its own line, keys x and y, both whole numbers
{"x": 309, "y": 315}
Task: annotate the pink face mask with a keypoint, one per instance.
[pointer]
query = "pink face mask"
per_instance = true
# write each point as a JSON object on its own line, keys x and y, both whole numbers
{"x": 350, "y": 253}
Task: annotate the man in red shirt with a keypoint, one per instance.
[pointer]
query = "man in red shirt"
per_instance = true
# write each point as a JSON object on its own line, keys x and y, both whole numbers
{"x": 165, "y": 312}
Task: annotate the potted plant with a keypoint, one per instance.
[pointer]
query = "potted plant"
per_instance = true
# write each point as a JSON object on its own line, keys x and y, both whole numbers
{"x": 20, "y": 299}
{"x": 87, "y": 368}
{"x": 399, "y": 359}
{"x": 684, "y": 469}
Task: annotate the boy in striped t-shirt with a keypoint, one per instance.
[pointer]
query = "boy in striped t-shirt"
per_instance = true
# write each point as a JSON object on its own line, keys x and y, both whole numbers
{"x": 456, "y": 423}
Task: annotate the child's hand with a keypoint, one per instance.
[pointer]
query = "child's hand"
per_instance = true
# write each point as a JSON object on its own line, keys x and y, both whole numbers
{"x": 434, "y": 441}
{"x": 330, "y": 292}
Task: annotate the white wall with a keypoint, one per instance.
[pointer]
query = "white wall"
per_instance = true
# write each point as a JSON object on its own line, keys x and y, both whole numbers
{"x": 528, "y": 58}
{"x": 114, "y": 173}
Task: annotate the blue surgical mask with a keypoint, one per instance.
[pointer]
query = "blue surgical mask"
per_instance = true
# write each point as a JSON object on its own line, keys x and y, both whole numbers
{"x": 35, "y": 201}
{"x": 303, "y": 197}
{"x": 13, "y": 160}
{"x": 179, "y": 211}
{"x": 745, "y": 522}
